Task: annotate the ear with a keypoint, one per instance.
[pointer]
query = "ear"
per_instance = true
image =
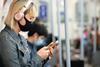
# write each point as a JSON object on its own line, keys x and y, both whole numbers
{"x": 18, "y": 16}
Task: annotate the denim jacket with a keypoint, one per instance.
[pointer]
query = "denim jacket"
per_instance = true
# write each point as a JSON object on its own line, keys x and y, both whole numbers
{"x": 14, "y": 50}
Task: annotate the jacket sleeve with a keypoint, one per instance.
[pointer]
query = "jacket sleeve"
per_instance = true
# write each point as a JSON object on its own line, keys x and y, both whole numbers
{"x": 9, "y": 53}
{"x": 37, "y": 60}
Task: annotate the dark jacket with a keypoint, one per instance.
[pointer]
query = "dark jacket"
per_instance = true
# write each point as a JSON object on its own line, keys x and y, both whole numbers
{"x": 34, "y": 51}
{"x": 14, "y": 50}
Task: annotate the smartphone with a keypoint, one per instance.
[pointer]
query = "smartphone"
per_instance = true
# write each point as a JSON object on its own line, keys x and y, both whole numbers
{"x": 57, "y": 42}
{"x": 53, "y": 45}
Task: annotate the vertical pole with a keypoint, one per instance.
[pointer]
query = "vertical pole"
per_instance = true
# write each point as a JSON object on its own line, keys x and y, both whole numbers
{"x": 59, "y": 30}
{"x": 68, "y": 61}
{"x": 82, "y": 28}
{"x": 95, "y": 26}
{"x": 52, "y": 19}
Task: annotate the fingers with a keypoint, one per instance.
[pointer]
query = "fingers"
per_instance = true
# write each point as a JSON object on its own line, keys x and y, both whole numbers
{"x": 53, "y": 44}
{"x": 50, "y": 45}
{"x": 51, "y": 51}
{"x": 46, "y": 48}
{"x": 47, "y": 52}
{"x": 44, "y": 52}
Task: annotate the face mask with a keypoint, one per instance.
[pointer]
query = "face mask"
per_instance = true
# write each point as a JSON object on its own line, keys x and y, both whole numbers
{"x": 27, "y": 26}
{"x": 40, "y": 42}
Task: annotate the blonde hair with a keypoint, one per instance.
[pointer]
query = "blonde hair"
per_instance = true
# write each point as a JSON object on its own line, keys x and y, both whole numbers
{"x": 14, "y": 8}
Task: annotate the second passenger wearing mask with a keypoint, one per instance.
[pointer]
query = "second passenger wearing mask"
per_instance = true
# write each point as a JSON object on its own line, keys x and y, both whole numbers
{"x": 37, "y": 40}
{"x": 37, "y": 35}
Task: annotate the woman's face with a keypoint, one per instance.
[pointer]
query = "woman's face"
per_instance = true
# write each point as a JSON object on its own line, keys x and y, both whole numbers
{"x": 30, "y": 15}
{"x": 27, "y": 19}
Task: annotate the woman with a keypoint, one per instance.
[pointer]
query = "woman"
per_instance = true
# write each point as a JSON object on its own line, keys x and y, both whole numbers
{"x": 14, "y": 51}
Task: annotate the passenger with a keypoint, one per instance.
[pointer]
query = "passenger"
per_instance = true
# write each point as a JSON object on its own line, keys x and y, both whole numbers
{"x": 38, "y": 35}
{"x": 36, "y": 38}
{"x": 14, "y": 50}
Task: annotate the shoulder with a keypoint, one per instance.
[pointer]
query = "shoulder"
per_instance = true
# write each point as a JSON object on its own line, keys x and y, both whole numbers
{"x": 6, "y": 39}
{"x": 4, "y": 35}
